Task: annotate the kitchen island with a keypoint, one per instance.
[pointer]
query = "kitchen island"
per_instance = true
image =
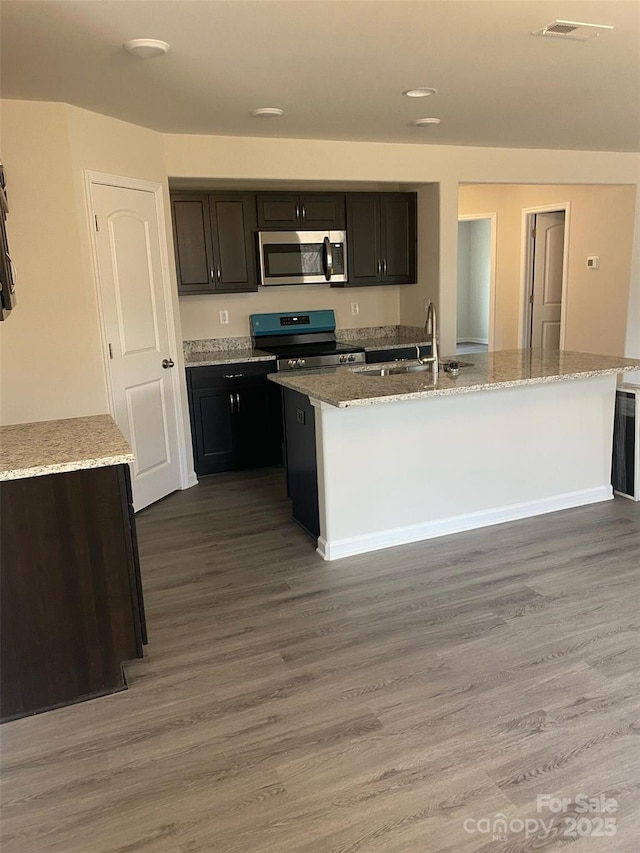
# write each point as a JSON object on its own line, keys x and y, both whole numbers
{"x": 398, "y": 458}
{"x": 72, "y": 607}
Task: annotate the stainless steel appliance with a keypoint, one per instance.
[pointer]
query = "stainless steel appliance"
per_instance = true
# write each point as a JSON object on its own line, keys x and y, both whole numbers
{"x": 303, "y": 340}
{"x": 302, "y": 257}
{"x": 625, "y": 473}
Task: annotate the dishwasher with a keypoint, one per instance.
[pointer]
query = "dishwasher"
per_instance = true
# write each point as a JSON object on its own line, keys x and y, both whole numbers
{"x": 625, "y": 469}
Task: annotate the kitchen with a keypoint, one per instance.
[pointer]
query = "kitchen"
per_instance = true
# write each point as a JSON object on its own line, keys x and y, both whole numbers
{"x": 78, "y": 140}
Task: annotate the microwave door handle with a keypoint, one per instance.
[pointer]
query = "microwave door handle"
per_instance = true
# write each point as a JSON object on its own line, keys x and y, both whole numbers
{"x": 328, "y": 258}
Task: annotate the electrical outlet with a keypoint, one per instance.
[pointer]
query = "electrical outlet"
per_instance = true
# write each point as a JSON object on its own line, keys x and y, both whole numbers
{"x": 593, "y": 262}
{"x": 224, "y": 318}
{"x": 355, "y": 309}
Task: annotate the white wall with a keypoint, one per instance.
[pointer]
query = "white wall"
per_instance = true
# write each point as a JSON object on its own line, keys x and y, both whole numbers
{"x": 474, "y": 280}
{"x": 464, "y": 283}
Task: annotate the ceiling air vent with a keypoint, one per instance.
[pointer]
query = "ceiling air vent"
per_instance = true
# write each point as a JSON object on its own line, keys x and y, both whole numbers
{"x": 572, "y": 30}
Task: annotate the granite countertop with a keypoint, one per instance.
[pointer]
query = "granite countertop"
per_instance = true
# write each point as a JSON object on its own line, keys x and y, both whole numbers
{"x": 357, "y": 386}
{"x": 234, "y": 356}
{"x": 53, "y": 447}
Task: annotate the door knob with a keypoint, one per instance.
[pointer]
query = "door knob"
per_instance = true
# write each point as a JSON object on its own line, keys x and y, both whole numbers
{"x": 167, "y": 362}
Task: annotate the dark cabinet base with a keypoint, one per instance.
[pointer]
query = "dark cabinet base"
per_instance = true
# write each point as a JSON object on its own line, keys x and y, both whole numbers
{"x": 236, "y": 417}
{"x": 302, "y": 471}
{"x": 72, "y": 609}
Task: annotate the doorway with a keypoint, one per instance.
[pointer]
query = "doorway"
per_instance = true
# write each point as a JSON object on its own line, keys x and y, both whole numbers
{"x": 139, "y": 338}
{"x": 544, "y": 277}
{"x": 476, "y": 283}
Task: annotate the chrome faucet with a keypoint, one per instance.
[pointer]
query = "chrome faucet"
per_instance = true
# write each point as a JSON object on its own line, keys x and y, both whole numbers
{"x": 431, "y": 331}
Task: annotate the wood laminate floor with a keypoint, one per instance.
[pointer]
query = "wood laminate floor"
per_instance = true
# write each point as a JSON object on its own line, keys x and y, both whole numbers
{"x": 391, "y": 702}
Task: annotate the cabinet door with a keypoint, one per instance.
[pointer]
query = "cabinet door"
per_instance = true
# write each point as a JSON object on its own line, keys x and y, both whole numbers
{"x": 254, "y": 436}
{"x": 212, "y": 429}
{"x": 322, "y": 212}
{"x": 278, "y": 211}
{"x": 398, "y": 238}
{"x": 302, "y": 472}
{"x": 233, "y": 224}
{"x": 364, "y": 258}
{"x": 192, "y": 242}
{"x": 67, "y": 589}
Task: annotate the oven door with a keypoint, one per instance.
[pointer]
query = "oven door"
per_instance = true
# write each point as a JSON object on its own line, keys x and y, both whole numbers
{"x": 301, "y": 257}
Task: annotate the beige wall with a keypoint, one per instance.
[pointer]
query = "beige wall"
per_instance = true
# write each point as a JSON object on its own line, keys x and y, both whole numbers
{"x": 600, "y": 223}
{"x": 51, "y": 365}
{"x": 379, "y": 306}
{"x": 52, "y": 341}
{"x": 52, "y": 361}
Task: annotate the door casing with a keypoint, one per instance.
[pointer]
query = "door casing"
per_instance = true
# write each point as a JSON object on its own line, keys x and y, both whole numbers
{"x": 526, "y": 271}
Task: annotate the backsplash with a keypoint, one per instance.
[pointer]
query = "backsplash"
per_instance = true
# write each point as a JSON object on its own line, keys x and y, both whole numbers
{"x": 372, "y": 332}
{"x": 362, "y": 333}
{"x": 215, "y": 345}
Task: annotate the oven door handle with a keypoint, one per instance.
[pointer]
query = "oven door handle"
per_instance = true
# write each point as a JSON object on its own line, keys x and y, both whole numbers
{"x": 327, "y": 258}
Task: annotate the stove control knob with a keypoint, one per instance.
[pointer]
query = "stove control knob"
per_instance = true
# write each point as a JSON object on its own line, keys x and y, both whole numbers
{"x": 292, "y": 362}
{"x": 343, "y": 358}
{"x": 301, "y": 362}
{"x": 351, "y": 358}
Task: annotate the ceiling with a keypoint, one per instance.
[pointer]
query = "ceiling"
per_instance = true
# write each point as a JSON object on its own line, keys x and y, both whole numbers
{"x": 338, "y": 67}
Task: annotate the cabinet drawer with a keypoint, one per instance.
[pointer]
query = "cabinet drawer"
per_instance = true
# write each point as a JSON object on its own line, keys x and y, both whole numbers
{"x": 221, "y": 375}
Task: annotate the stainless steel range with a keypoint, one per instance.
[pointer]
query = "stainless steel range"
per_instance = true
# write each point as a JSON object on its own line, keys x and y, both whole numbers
{"x": 303, "y": 340}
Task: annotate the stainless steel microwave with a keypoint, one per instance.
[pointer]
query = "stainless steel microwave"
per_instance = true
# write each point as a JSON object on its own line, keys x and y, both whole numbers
{"x": 302, "y": 257}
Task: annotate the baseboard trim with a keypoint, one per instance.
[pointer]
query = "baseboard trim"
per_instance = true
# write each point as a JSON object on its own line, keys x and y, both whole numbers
{"x": 472, "y": 341}
{"x": 192, "y": 480}
{"x": 457, "y": 524}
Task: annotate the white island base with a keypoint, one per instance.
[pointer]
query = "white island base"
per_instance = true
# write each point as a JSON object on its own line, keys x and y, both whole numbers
{"x": 415, "y": 469}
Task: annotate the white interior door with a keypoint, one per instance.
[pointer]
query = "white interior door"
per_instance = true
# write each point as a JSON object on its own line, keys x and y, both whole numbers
{"x": 135, "y": 322}
{"x": 546, "y": 298}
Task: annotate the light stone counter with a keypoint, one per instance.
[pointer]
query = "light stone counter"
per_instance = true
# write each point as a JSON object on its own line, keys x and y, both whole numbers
{"x": 235, "y": 356}
{"x": 358, "y": 386}
{"x": 53, "y": 447}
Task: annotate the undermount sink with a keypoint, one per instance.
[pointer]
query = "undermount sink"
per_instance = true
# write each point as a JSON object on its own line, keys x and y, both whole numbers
{"x": 404, "y": 368}
{"x": 452, "y": 366}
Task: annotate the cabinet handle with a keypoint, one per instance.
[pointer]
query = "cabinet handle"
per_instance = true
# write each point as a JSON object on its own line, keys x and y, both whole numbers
{"x": 297, "y": 211}
{"x": 218, "y": 273}
{"x": 233, "y": 375}
{"x": 379, "y": 267}
{"x": 231, "y": 401}
{"x": 211, "y": 274}
{"x": 384, "y": 267}
{"x": 304, "y": 212}
{"x": 238, "y": 403}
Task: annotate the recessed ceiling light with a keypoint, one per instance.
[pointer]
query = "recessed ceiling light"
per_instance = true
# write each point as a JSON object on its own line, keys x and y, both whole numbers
{"x": 422, "y": 92}
{"x": 147, "y": 48}
{"x": 267, "y": 112}
{"x": 425, "y": 122}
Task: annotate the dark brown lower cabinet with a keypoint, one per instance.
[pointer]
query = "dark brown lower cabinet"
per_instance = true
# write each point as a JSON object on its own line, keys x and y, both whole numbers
{"x": 236, "y": 417}
{"x": 71, "y": 596}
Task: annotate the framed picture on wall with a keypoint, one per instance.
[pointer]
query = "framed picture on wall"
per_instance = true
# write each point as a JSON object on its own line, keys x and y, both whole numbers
{"x": 7, "y": 272}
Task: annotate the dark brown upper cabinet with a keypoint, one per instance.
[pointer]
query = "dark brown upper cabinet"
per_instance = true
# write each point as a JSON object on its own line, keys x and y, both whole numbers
{"x": 214, "y": 238}
{"x": 381, "y": 239}
{"x": 301, "y": 211}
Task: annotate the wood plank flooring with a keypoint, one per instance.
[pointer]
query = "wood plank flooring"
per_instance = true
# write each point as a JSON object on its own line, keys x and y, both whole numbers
{"x": 387, "y": 702}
